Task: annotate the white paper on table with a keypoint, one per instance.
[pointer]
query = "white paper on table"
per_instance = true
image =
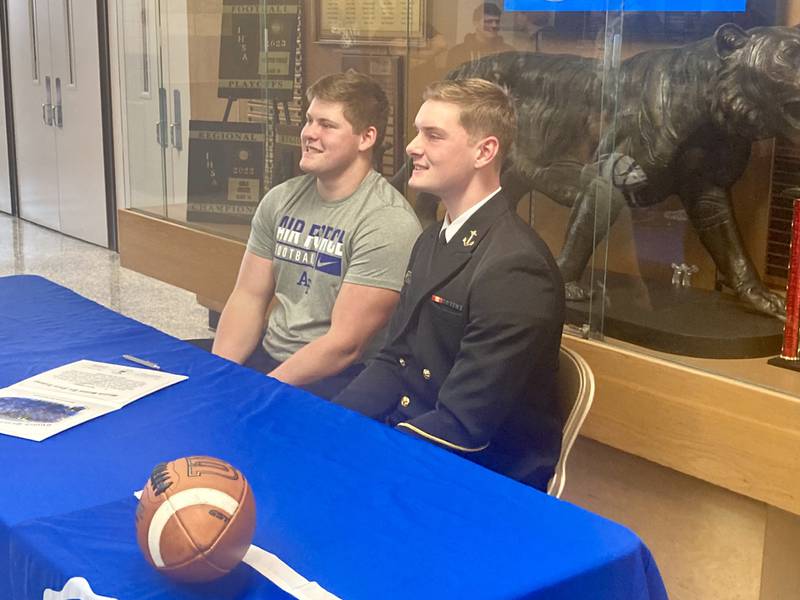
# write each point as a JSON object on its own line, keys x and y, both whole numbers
{"x": 61, "y": 398}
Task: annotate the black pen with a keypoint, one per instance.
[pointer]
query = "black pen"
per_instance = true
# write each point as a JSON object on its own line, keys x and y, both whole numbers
{"x": 141, "y": 361}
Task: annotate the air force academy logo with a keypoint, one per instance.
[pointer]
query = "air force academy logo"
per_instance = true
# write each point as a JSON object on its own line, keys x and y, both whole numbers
{"x": 76, "y": 588}
{"x": 304, "y": 281}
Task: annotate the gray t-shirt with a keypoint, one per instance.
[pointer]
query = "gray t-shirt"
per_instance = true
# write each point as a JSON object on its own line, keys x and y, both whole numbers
{"x": 315, "y": 246}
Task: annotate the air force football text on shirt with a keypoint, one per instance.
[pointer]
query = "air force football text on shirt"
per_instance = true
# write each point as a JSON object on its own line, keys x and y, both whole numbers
{"x": 318, "y": 246}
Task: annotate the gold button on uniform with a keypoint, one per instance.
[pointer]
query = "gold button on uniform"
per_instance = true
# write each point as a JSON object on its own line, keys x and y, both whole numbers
{"x": 402, "y": 362}
{"x": 426, "y": 374}
{"x": 405, "y": 401}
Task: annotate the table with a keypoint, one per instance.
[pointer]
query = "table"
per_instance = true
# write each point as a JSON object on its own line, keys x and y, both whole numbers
{"x": 363, "y": 510}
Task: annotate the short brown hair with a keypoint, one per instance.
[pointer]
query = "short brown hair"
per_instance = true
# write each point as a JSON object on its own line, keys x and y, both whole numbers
{"x": 486, "y": 108}
{"x": 363, "y": 99}
{"x": 486, "y": 9}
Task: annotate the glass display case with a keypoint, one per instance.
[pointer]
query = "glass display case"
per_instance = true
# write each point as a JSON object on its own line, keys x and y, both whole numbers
{"x": 658, "y": 156}
{"x": 656, "y": 171}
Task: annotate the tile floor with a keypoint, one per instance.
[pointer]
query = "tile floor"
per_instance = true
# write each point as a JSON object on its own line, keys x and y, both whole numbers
{"x": 95, "y": 272}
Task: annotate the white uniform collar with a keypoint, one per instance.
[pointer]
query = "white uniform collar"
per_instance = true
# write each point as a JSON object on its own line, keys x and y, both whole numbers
{"x": 450, "y": 229}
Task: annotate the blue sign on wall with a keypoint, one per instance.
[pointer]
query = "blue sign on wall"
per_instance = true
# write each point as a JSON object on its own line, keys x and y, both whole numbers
{"x": 628, "y": 5}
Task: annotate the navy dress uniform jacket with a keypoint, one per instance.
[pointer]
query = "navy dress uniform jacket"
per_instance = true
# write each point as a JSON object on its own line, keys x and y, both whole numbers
{"x": 472, "y": 349}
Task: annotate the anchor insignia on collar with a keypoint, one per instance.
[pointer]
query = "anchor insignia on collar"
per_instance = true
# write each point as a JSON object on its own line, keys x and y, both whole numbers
{"x": 470, "y": 240}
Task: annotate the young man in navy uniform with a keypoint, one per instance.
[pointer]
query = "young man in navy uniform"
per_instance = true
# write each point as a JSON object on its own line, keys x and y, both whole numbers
{"x": 472, "y": 350}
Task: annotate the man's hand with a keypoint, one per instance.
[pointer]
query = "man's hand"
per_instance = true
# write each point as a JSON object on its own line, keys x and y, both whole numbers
{"x": 241, "y": 325}
{"x": 359, "y": 313}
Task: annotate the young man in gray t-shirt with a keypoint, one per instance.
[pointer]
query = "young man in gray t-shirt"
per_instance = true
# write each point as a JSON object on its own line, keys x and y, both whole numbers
{"x": 330, "y": 247}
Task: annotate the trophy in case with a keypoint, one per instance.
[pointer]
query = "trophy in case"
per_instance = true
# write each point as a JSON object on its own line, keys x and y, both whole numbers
{"x": 789, "y": 357}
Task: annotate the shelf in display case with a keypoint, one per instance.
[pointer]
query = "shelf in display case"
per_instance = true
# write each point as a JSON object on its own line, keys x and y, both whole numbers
{"x": 683, "y": 320}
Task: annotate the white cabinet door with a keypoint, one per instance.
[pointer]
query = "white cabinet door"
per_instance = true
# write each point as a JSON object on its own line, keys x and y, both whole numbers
{"x": 154, "y": 43}
{"x": 32, "y": 87}
{"x": 78, "y": 124}
{"x": 55, "y": 73}
{"x": 138, "y": 32}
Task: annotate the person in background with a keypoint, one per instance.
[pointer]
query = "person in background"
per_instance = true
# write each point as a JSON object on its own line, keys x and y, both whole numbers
{"x": 486, "y": 38}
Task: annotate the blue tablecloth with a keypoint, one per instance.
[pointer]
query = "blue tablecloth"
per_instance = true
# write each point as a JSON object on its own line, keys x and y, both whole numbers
{"x": 365, "y": 511}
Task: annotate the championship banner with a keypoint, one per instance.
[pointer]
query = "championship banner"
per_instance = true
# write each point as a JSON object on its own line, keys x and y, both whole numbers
{"x": 226, "y": 171}
{"x": 246, "y": 68}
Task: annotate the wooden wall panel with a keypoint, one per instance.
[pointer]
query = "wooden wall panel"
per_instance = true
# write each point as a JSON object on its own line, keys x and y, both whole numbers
{"x": 738, "y": 436}
{"x": 200, "y": 262}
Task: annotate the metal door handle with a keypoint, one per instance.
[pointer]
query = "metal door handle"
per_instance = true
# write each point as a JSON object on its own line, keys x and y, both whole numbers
{"x": 47, "y": 114}
{"x": 58, "y": 114}
{"x": 174, "y": 135}
{"x": 176, "y": 126}
{"x": 47, "y": 107}
{"x": 161, "y": 125}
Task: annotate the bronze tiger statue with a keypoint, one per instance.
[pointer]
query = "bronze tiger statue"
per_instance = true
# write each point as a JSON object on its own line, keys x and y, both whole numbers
{"x": 685, "y": 121}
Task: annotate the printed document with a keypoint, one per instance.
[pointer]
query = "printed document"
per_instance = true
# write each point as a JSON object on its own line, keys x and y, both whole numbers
{"x": 48, "y": 403}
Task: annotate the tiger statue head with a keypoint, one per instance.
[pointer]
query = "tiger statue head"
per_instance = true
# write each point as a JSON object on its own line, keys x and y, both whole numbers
{"x": 757, "y": 87}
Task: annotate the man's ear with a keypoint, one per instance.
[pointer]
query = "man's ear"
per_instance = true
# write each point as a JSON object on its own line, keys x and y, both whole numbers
{"x": 487, "y": 150}
{"x": 368, "y": 138}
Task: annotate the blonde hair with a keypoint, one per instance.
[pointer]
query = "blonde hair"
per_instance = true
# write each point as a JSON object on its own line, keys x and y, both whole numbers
{"x": 486, "y": 109}
{"x": 363, "y": 99}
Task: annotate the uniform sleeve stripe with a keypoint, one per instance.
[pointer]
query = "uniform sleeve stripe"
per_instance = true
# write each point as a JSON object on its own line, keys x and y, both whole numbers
{"x": 444, "y": 443}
